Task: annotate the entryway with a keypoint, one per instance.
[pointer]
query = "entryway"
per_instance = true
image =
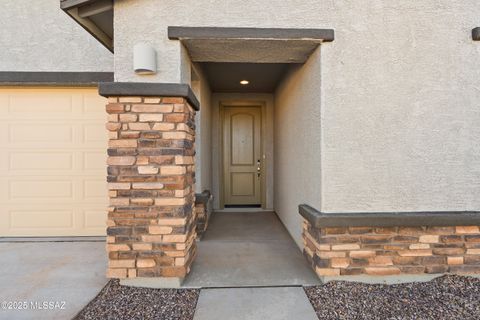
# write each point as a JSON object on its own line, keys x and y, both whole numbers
{"x": 248, "y": 249}
{"x": 246, "y": 244}
{"x": 254, "y": 118}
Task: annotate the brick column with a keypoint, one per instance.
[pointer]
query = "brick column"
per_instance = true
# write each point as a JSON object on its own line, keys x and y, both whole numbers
{"x": 151, "y": 220}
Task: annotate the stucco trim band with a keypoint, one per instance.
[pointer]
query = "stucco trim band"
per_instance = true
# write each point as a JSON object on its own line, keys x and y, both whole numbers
{"x": 15, "y": 78}
{"x": 145, "y": 89}
{"x": 389, "y": 219}
{"x": 177, "y": 33}
{"x": 476, "y": 34}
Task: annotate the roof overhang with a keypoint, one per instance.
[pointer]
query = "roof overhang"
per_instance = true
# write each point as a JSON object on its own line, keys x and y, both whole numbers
{"x": 246, "y": 45}
{"x": 211, "y": 44}
{"x": 95, "y": 16}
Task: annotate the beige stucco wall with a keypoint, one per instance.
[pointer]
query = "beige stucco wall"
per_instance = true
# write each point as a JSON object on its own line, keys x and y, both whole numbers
{"x": 203, "y": 163}
{"x": 38, "y": 36}
{"x": 400, "y": 91}
{"x": 298, "y": 172}
{"x": 267, "y": 123}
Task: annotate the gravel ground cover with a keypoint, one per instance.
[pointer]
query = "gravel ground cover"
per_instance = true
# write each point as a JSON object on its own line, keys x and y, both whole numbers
{"x": 120, "y": 302}
{"x": 447, "y": 297}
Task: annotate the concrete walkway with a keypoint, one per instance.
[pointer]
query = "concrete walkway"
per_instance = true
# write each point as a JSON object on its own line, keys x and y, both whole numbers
{"x": 254, "y": 304}
{"x": 246, "y": 257}
{"x": 67, "y": 273}
{"x": 248, "y": 249}
{"x": 250, "y": 268}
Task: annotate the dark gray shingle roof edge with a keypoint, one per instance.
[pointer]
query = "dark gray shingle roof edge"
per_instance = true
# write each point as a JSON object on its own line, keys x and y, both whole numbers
{"x": 67, "y": 4}
{"x": 24, "y": 78}
{"x": 389, "y": 219}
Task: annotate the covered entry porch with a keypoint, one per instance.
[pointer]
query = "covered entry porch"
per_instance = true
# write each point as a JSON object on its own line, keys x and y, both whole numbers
{"x": 248, "y": 249}
{"x": 170, "y": 144}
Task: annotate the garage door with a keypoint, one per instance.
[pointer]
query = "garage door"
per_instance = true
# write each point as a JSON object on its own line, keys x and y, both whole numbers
{"x": 52, "y": 162}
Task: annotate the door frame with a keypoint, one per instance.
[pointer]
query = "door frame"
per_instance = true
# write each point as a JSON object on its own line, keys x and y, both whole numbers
{"x": 265, "y": 161}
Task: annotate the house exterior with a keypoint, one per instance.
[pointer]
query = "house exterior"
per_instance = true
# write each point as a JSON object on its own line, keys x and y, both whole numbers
{"x": 357, "y": 123}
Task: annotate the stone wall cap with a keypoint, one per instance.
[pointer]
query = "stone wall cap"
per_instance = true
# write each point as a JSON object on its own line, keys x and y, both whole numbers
{"x": 203, "y": 197}
{"x": 388, "y": 219}
{"x": 148, "y": 89}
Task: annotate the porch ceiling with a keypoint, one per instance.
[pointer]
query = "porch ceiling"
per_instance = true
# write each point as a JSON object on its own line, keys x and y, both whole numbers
{"x": 250, "y": 45}
{"x": 226, "y": 77}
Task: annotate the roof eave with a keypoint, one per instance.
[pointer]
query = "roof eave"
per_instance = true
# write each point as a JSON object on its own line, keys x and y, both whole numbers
{"x": 82, "y": 11}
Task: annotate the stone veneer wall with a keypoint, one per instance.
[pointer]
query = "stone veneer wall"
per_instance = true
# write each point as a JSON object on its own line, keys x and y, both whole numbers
{"x": 202, "y": 221}
{"x": 392, "y": 250}
{"x": 151, "y": 218}
{"x": 203, "y": 212}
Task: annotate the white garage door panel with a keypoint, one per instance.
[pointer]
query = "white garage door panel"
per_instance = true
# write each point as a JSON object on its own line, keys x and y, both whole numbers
{"x": 41, "y": 219}
{"x": 94, "y": 160}
{"x": 44, "y": 161}
{"x": 52, "y": 164}
{"x": 95, "y": 189}
{"x": 23, "y": 102}
{"x": 34, "y": 132}
{"x": 94, "y": 133}
{"x": 41, "y": 189}
{"x": 95, "y": 219}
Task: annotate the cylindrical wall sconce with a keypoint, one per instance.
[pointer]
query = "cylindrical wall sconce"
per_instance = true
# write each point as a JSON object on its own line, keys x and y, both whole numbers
{"x": 144, "y": 59}
{"x": 476, "y": 34}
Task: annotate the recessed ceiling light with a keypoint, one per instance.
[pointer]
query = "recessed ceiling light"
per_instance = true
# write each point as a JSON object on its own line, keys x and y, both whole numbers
{"x": 244, "y": 82}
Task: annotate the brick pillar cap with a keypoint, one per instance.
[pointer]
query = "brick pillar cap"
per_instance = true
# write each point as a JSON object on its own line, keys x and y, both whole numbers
{"x": 147, "y": 89}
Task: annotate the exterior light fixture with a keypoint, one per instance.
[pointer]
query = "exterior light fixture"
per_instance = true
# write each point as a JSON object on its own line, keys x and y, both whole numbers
{"x": 476, "y": 34}
{"x": 244, "y": 82}
{"x": 144, "y": 59}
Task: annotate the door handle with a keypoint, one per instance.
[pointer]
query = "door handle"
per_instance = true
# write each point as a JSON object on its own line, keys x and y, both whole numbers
{"x": 259, "y": 168}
